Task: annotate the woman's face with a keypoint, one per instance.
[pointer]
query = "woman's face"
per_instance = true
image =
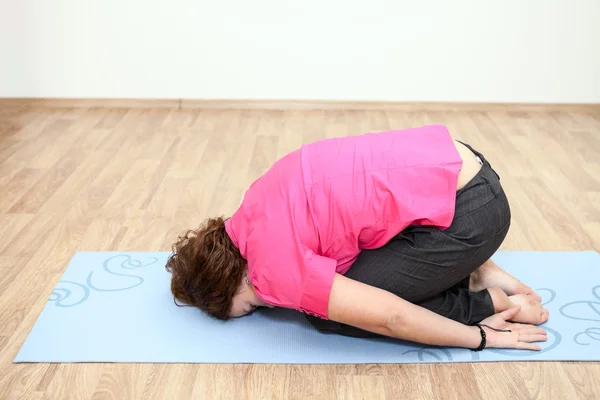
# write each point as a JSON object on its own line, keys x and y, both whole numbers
{"x": 246, "y": 300}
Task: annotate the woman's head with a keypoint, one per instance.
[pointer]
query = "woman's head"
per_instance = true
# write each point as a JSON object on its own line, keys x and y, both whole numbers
{"x": 208, "y": 272}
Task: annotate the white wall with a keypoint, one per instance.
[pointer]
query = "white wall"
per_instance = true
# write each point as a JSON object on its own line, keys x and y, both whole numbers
{"x": 402, "y": 50}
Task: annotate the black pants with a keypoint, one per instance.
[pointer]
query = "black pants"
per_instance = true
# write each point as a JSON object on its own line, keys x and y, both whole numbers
{"x": 431, "y": 267}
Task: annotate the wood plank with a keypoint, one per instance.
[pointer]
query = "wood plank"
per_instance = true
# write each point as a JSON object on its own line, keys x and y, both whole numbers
{"x": 93, "y": 176}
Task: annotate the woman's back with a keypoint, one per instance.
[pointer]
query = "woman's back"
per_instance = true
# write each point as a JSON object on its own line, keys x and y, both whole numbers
{"x": 363, "y": 190}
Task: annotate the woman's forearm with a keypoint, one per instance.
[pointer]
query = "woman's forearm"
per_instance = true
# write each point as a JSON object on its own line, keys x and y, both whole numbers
{"x": 375, "y": 310}
{"x": 417, "y": 324}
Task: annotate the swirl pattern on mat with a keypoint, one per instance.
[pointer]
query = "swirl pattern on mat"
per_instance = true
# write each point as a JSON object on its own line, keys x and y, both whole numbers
{"x": 68, "y": 293}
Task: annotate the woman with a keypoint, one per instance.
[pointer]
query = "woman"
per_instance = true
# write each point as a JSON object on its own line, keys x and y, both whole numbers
{"x": 386, "y": 233}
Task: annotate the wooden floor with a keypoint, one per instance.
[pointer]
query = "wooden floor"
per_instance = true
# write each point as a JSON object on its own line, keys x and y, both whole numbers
{"x": 132, "y": 179}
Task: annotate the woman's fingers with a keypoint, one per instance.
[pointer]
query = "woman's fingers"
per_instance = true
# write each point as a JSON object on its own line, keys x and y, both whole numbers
{"x": 528, "y": 346}
{"x": 532, "y": 337}
{"x": 532, "y": 331}
{"x": 525, "y": 328}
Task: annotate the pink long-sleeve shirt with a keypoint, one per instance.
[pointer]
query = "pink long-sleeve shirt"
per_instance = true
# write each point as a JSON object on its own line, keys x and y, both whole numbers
{"x": 316, "y": 208}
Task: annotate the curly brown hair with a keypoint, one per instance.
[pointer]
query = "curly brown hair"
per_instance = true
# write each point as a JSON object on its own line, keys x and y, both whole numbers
{"x": 206, "y": 268}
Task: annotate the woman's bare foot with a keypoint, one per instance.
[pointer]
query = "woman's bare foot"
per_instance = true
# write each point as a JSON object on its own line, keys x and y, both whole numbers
{"x": 490, "y": 275}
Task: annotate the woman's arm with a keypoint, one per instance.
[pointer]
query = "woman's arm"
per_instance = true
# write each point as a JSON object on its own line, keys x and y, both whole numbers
{"x": 375, "y": 310}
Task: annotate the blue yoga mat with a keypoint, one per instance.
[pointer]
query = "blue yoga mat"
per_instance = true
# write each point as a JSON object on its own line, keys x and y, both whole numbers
{"x": 117, "y": 307}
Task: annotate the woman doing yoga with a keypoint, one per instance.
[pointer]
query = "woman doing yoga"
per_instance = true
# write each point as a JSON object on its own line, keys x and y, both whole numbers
{"x": 382, "y": 234}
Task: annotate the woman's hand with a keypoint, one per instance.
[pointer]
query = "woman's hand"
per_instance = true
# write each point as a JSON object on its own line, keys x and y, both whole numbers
{"x": 532, "y": 311}
{"x": 521, "y": 337}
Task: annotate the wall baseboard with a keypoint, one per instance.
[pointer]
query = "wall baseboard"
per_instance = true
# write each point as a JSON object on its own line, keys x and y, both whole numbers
{"x": 89, "y": 103}
{"x": 294, "y": 105}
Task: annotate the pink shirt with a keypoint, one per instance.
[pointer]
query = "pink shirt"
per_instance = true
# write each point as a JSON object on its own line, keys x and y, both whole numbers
{"x": 316, "y": 208}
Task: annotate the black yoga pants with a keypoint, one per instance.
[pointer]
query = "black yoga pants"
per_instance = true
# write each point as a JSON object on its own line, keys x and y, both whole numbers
{"x": 431, "y": 267}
